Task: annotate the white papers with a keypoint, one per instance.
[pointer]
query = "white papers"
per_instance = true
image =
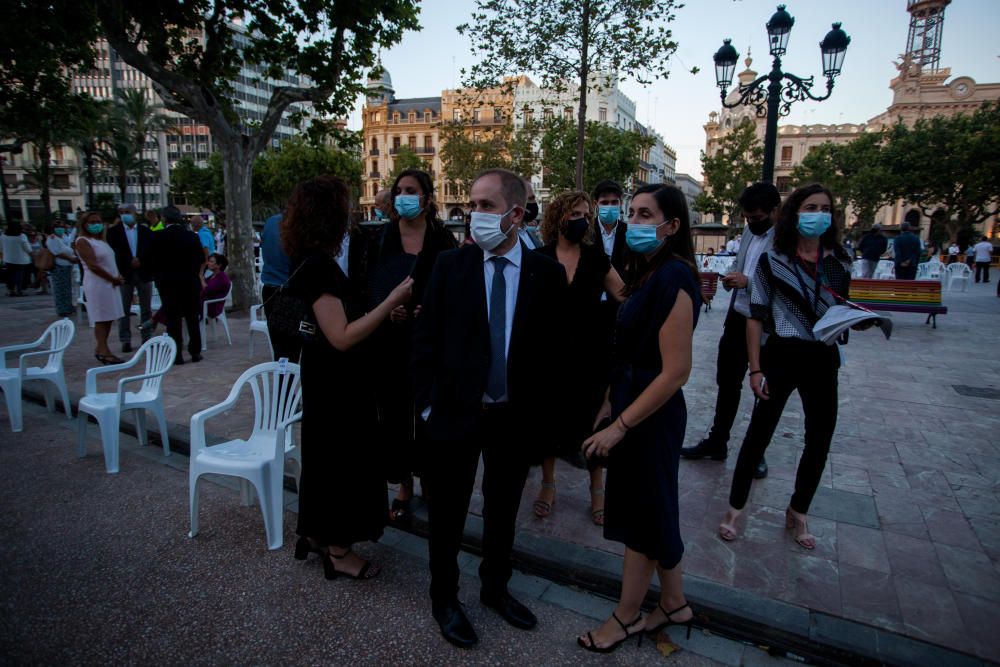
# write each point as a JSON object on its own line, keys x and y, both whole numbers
{"x": 838, "y": 319}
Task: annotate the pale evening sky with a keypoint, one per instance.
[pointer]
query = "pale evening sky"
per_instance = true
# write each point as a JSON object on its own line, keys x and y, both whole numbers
{"x": 427, "y": 62}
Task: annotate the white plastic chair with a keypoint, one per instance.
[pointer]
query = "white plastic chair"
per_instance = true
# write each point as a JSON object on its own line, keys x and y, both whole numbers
{"x": 885, "y": 269}
{"x": 258, "y": 325}
{"x": 220, "y": 318}
{"x": 961, "y": 272}
{"x": 158, "y": 354}
{"x": 59, "y": 335}
{"x": 260, "y": 459}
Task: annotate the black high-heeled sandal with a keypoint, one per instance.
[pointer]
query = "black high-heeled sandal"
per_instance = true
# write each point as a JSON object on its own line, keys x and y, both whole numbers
{"x": 652, "y": 632}
{"x": 399, "y": 512}
{"x": 304, "y": 546}
{"x": 368, "y": 571}
{"x": 592, "y": 646}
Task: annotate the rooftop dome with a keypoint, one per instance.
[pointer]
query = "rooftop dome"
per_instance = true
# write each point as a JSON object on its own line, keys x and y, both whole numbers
{"x": 381, "y": 88}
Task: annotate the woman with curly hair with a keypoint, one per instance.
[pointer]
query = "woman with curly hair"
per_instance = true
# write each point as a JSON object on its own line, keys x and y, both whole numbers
{"x": 567, "y": 231}
{"x": 342, "y": 490}
{"x": 795, "y": 282}
{"x": 652, "y": 361}
{"x": 409, "y": 245}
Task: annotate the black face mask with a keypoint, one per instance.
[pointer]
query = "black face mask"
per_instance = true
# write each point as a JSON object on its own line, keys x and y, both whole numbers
{"x": 759, "y": 227}
{"x": 575, "y": 230}
{"x": 530, "y": 211}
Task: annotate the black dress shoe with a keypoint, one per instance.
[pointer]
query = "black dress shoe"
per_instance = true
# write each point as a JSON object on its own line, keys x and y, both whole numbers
{"x": 455, "y": 627}
{"x": 760, "y": 472}
{"x": 510, "y": 610}
{"x": 179, "y": 360}
{"x": 126, "y": 347}
{"x": 706, "y": 449}
{"x": 196, "y": 358}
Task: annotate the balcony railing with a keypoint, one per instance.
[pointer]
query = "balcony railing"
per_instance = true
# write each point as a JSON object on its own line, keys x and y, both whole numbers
{"x": 426, "y": 150}
{"x": 373, "y": 151}
{"x": 374, "y": 174}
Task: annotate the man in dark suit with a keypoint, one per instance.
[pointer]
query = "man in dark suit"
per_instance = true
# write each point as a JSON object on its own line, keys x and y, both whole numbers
{"x": 130, "y": 240}
{"x": 608, "y": 226}
{"x": 174, "y": 258}
{"x": 906, "y": 253}
{"x": 483, "y": 384}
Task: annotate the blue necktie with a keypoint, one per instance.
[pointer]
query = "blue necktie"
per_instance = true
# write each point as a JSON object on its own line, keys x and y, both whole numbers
{"x": 496, "y": 385}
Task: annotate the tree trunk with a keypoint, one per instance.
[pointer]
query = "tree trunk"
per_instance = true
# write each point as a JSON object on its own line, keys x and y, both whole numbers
{"x": 46, "y": 178}
{"x": 237, "y": 169}
{"x": 142, "y": 188}
{"x": 3, "y": 191}
{"x": 123, "y": 185}
{"x": 581, "y": 115}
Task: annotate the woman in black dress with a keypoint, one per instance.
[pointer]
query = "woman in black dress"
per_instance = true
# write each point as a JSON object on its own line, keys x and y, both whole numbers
{"x": 646, "y": 405}
{"x": 342, "y": 489}
{"x": 567, "y": 232}
{"x": 409, "y": 244}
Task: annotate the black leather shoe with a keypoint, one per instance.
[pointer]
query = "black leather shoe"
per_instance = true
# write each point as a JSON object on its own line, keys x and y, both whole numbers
{"x": 126, "y": 348}
{"x": 196, "y": 358}
{"x": 705, "y": 449}
{"x": 760, "y": 472}
{"x": 510, "y": 610}
{"x": 455, "y": 627}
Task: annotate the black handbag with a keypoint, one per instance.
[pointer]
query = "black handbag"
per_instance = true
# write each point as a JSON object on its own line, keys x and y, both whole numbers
{"x": 289, "y": 315}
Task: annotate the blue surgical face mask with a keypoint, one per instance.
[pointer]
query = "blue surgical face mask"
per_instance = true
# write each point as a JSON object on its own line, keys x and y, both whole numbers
{"x": 642, "y": 238}
{"x": 608, "y": 214}
{"x": 379, "y": 215}
{"x": 58, "y": 231}
{"x": 95, "y": 228}
{"x": 128, "y": 219}
{"x": 812, "y": 225}
{"x": 408, "y": 206}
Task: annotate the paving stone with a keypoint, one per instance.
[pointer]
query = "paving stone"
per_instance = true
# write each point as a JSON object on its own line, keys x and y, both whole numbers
{"x": 845, "y": 507}
{"x": 870, "y": 597}
{"x": 862, "y": 547}
{"x": 951, "y": 528}
{"x": 913, "y": 558}
{"x": 930, "y": 613}
{"x": 969, "y": 571}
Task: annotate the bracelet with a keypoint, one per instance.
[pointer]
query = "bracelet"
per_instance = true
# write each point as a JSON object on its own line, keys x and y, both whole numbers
{"x": 752, "y": 373}
{"x": 624, "y": 425}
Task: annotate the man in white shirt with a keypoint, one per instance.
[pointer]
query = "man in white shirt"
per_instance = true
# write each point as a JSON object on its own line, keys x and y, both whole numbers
{"x": 129, "y": 240}
{"x": 984, "y": 255}
{"x": 733, "y": 245}
{"x": 760, "y": 203}
{"x": 529, "y": 224}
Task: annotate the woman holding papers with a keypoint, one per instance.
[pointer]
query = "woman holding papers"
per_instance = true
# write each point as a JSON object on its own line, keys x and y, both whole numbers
{"x": 805, "y": 273}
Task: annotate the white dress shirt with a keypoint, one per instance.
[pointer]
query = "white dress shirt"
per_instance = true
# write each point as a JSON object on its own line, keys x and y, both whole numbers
{"x": 756, "y": 246}
{"x": 608, "y": 238}
{"x": 512, "y": 274}
{"x": 132, "y": 236}
{"x": 525, "y": 236}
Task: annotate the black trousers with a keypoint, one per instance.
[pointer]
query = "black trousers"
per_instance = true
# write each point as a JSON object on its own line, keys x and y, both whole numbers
{"x": 451, "y": 470}
{"x": 730, "y": 370}
{"x": 983, "y": 270}
{"x": 283, "y": 346}
{"x": 791, "y": 364}
{"x": 906, "y": 272}
{"x": 180, "y": 302}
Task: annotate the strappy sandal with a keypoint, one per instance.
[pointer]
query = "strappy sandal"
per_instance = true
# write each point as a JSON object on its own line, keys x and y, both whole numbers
{"x": 652, "y": 632}
{"x": 729, "y": 531}
{"x": 597, "y": 516}
{"x": 541, "y": 508}
{"x": 592, "y": 646}
{"x": 108, "y": 359}
{"x": 796, "y": 521}
{"x": 399, "y": 512}
{"x": 368, "y": 571}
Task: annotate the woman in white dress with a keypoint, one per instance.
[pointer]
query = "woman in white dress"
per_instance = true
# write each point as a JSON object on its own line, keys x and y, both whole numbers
{"x": 100, "y": 282}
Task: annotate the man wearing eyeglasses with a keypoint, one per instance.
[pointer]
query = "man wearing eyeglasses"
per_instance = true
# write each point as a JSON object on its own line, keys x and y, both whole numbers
{"x": 760, "y": 203}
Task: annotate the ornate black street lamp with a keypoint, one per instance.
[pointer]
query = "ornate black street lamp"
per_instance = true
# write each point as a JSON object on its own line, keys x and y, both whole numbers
{"x": 770, "y": 97}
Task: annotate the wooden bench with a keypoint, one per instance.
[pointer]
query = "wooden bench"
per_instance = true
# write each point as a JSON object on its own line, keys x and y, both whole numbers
{"x": 709, "y": 286}
{"x": 904, "y": 296}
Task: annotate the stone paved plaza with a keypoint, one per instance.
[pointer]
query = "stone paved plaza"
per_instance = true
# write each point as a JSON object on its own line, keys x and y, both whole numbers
{"x": 907, "y": 518}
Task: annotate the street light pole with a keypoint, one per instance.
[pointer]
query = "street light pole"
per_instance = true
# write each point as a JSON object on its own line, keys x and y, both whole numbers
{"x": 768, "y": 94}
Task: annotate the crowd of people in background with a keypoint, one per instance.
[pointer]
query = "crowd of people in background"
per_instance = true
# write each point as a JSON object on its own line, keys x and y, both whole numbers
{"x": 538, "y": 336}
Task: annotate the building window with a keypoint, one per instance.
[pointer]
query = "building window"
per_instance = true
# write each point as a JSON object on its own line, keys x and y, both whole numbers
{"x": 375, "y": 166}
{"x": 395, "y": 144}
{"x": 602, "y": 115}
{"x": 413, "y": 142}
{"x": 395, "y": 117}
{"x": 568, "y": 113}
{"x": 456, "y": 115}
{"x": 547, "y": 114}
{"x": 475, "y": 115}
{"x": 786, "y": 155}
{"x": 374, "y": 144}
{"x": 428, "y": 141}
{"x": 412, "y": 117}
{"x": 784, "y": 184}
{"x": 497, "y": 115}
{"x": 427, "y": 116}
{"x": 529, "y": 116}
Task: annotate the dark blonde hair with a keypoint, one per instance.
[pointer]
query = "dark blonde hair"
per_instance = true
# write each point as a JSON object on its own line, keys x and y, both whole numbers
{"x": 559, "y": 209}
{"x": 81, "y": 223}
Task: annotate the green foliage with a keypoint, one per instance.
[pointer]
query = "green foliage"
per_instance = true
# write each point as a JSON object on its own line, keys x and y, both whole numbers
{"x": 139, "y": 118}
{"x": 276, "y": 172}
{"x": 856, "y": 173}
{"x": 564, "y": 42}
{"x": 611, "y": 154}
{"x": 736, "y": 164}
{"x": 403, "y": 158}
{"x": 462, "y": 156}
{"x": 950, "y": 163}
{"x": 200, "y": 186}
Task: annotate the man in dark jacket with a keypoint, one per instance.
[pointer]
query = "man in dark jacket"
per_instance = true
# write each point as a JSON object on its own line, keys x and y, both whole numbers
{"x": 130, "y": 240}
{"x": 872, "y": 247}
{"x": 174, "y": 258}
{"x": 906, "y": 251}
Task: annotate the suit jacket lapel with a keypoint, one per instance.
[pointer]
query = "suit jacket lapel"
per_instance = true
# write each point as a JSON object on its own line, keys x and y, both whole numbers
{"x": 475, "y": 293}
